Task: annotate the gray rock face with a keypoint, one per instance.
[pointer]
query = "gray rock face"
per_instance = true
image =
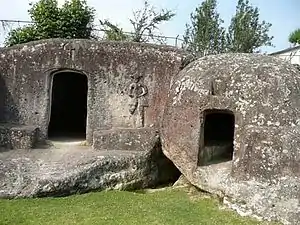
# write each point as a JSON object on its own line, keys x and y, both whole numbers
{"x": 256, "y": 98}
{"x": 128, "y": 83}
{"x": 18, "y": 137}
{"x": 141, "y": 139}
{"x": 125, "y": 88}
{"x": 70, "y": 169}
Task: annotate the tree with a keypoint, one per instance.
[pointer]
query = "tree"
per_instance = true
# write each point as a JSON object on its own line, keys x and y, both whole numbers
{"x": 145, "y": 23}
{"x": 73, "y": 20}
{"x": 246, "y": 33}
{"x": 294, "y": 37}
{"x": 205, "y": 35}
{"x": 21, "y": 35}
{"x": 146, "y": 20}
{"x": 113, "y": 32}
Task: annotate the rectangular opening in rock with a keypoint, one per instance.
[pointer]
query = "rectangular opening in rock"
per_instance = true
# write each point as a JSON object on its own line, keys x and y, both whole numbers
{"x": 218, "y": 136}
{"x": 68, "y": 106}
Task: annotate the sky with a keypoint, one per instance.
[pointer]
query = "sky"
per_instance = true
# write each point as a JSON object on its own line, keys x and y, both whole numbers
{"x": 282, "y": 14}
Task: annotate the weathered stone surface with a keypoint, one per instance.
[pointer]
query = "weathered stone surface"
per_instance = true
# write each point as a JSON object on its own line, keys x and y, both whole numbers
{"x": 182, "y": 182}
{"x": 126, "y": 139}
{"x": 72, "y": 169}
{"x": 262, "y": 93}
{"x": 116, "y": 73}
{"x": 17, "y": 137}
{"x": 278, "y": 201}
{"x": 128, "y": 86}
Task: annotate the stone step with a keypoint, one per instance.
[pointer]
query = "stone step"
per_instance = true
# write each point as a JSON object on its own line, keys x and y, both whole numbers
{"x": 141, "y": 139}
{"x": 14, "y": 136}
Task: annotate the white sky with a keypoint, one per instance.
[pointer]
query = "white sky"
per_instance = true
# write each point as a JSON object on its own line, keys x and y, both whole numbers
{"x": 117, "y": 11}
{"x": 283, "y": 14}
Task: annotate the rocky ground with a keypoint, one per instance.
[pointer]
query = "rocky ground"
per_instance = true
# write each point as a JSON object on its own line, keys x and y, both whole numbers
{"x": 68, "y": 168}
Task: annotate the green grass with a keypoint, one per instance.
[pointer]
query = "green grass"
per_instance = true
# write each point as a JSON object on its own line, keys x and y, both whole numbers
{"x": 175, "y": 206}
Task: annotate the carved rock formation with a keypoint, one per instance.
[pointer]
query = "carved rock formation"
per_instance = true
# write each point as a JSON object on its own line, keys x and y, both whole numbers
{"x": 66, "y": 169}
{"x": 244, "y": 108}
{"x": 229, "y": 123}
{"x": 27, "y": 75}
{"x": 83, "y": 82}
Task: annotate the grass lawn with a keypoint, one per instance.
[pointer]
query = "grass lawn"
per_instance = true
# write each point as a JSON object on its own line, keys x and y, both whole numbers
{"x": 175, "y": 206}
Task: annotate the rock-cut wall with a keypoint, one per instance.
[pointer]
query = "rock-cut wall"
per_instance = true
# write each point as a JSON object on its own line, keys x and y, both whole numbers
{"x": 128, "y": 83}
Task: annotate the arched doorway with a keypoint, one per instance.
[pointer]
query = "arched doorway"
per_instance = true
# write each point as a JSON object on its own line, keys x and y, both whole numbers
{"x": 68, "y": 106}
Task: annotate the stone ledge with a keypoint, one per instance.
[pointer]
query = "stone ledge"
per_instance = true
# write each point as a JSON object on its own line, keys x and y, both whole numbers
{"x": 126, "y": 139}
{"x": 78, "y": 169}
{"x": 14, "y": 136}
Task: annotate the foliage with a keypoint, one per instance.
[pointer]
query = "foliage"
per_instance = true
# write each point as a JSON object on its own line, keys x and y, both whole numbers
{"x": 246, "y": 33}
{"x": 294, "y": 37}
{"x": 73, "y": 20}
{"x": 117, "y": 207}
{"x": 146, "y": 20}
{"x": 205, "y": 35}
{"x": 22, "y": 35}
{"x": 145, "y": 23}
{"x": 113, "y": 32}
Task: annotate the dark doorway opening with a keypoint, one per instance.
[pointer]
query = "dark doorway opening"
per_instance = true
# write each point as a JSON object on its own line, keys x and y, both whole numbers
{"x": 218, "y": 131}
{"x": 68, "y": 106}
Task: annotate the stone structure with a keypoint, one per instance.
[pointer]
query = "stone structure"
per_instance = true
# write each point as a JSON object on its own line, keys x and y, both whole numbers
{"x": 229, "y": 123}
{"x": 70, "y": 169}
{"x": 244, "y": 108}
{"x": 114, "y": 91}
{"x": 122, "y": 79}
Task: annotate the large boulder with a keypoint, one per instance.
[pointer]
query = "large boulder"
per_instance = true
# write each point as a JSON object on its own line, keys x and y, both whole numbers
{"x": 69, "y": 168}
{"x": 243, "y": 109}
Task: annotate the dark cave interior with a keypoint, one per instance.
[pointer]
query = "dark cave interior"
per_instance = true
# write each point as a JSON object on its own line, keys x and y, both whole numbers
{"x": 68, "y": 106}
{"x": 218, "y": 135}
